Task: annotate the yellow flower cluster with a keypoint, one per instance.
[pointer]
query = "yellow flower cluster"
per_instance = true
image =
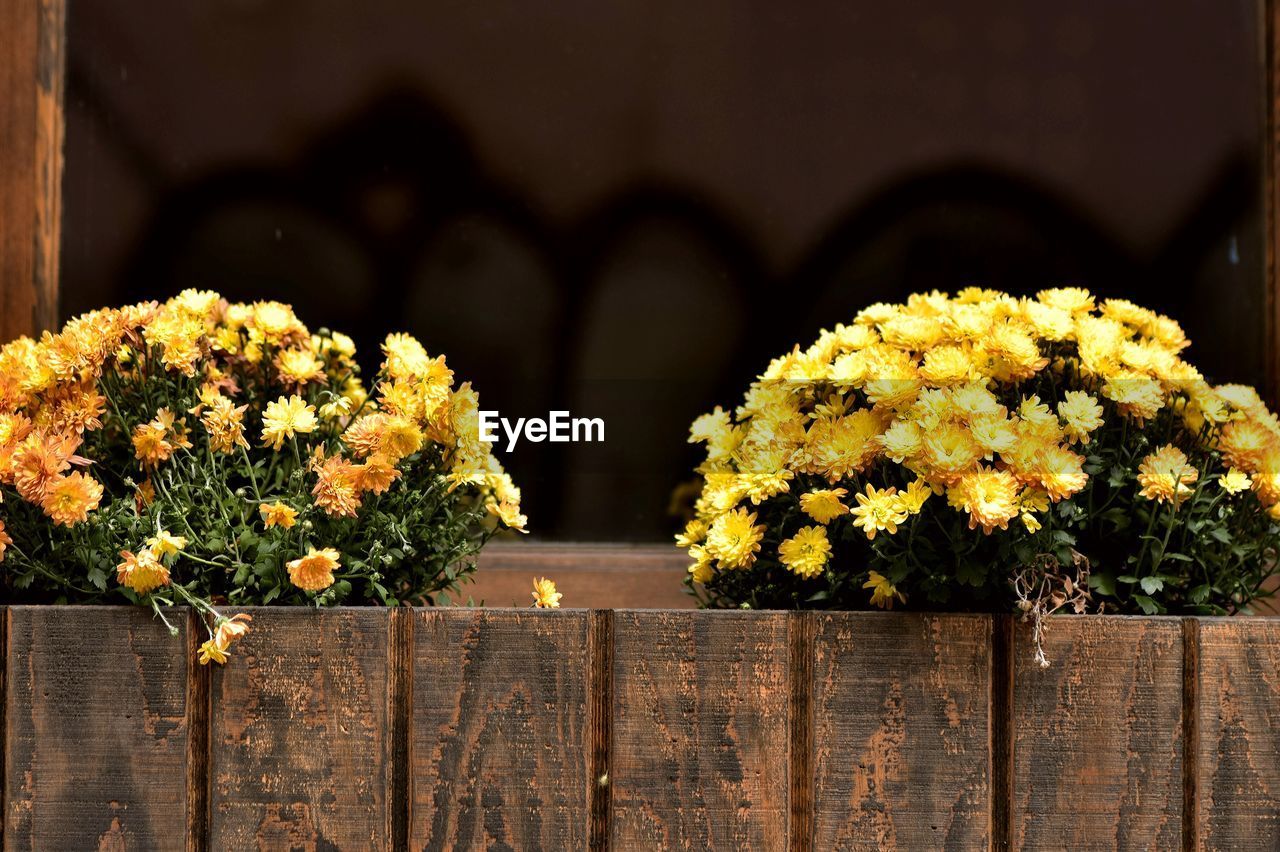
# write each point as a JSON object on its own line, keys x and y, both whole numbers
{"x": 231, "y": 390}
{"x": 939, "y": 388}
{"x": 54, "y": 390}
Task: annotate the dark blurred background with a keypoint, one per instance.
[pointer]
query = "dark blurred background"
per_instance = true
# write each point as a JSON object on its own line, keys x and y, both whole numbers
{"x": 626, "y": 208}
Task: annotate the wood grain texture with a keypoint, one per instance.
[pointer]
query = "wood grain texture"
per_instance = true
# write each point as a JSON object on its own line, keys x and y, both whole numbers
{"x": 96, "y": 730}
{"x": 31, "y": 134}
{"x": 599, "y": 576}
{"x": 1097, "y": 752}
{"x": 1269, "y": 19}
{"x": 501, "y": 750}
{"x": 300, "y": 739}
{"x": 700, "y": 730}
{"x": 1239, "y": 734}
{"x": 902, "y": 731}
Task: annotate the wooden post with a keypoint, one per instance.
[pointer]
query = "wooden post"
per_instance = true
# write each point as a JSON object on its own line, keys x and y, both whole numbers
{"x": 31, "y": 126}
{"x": 1270, "y": 31}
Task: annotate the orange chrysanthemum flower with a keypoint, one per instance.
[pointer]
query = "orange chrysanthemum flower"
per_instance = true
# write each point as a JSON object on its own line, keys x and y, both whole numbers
{"x": 69, "y": 499}
{"x": 314, "y": 572}
{"x": 376, "y": 475}
{"x": 335, "y": 490}
{"x": 142, "y": 571}
{"x": 278, "y": 515}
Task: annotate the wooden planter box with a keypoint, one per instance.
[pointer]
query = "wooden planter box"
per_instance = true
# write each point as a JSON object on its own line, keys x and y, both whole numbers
{"x": 640, "y": 729}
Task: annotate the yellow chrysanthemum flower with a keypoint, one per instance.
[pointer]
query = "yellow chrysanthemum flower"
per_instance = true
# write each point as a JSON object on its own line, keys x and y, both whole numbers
{"x": 1234, "y": 481}
{"x": 882, "y": 591}
{"x": 901, "y": 440}
{"x": 879, "y": 511}
{"x": 285, "y": 418}
{"x": 695, "y": 531}
{"x": 915, "y": 495}
{"x": 165, "y": 543}
{"x": 806, "y": 553}
{"x": 701, "y": 570}
{"x": 824, "y": 505}
{"x": 545, "y": 595}
{"x": 1080, "y": 415}
{"x": 1059, "y": 471}
{"x": 734, "y": 538}
{"x": 210, "y": 652}
{"x": 947, "y": 365}
{"x": 950, "y": 451}
{"x": 298, "y": 367}
{"x": 1073, "y": 300}
{"x": 1165, "y": 475}
{"x": 839, "y": 446}
{"x": 1245, "y": 442}
{"x": 990, "y": 497}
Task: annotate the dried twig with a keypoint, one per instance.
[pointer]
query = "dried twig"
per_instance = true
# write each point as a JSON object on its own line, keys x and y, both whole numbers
{"x": 1044, "y": 587}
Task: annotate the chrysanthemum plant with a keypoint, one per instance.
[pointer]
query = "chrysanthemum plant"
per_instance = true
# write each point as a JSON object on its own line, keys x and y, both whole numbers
{"x": 989, "y": 452}
{"x": 221, "y": 455}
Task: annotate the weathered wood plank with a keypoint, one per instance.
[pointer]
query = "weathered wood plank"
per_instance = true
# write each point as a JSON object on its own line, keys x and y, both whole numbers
{"x": 701, "y": 731}
{"x": 300, "y": 746}
{"x": 1269, "y": 18}
{"x": 97, "y": 720}
{"x": 501, "y": 748}
{"x": 599, "y": 576}
{"x": 902, "y": 731}
{"x": 31, "y": 132}
{"x": 1239, "y": 734}
{"x": 1097, "y": 752}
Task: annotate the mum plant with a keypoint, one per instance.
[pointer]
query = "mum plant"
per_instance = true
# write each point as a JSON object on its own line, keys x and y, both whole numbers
{"x": 984, "y": 452}
{"x": 221, "y": 455}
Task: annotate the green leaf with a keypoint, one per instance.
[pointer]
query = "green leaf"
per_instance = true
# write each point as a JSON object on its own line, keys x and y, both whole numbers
{"x": 1104, "y": 583}
{"x": 1127, "y": 578}
{"x": 1151, "y": 585}
{"x": 1149, "y": 606}
{"x": 971, "y": 572}
{"x": 1220, "y": 534}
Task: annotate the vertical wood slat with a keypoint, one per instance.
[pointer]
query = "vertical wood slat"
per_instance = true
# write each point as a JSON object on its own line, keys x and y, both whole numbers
{"x": 300, "y": 733}
{"x": 1269, "y": 27}
{"x": 1239, "y": 733}
{"x": 31, "y": 132}
{"x": 902, "y": 731}
{"x": 501, "y": 747}
{"x": 700, "y": 730}
{"x": 1098, "y": 736}
{"x": 96, "y": 726}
